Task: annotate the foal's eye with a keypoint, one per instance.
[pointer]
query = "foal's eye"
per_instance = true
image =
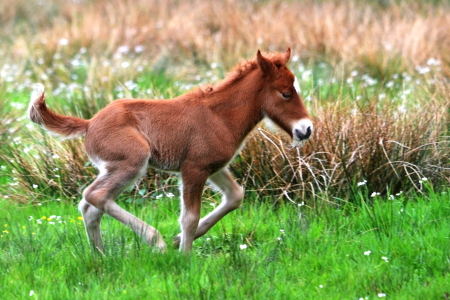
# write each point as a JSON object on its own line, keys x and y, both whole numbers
{"x": 286, "y": 95}
{"x": 278, "y": 65}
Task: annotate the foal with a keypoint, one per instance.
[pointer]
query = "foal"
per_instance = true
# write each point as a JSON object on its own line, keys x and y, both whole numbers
{"x": 197, "y": 135}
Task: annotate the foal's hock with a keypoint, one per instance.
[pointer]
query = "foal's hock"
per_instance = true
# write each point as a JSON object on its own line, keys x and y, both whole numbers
{"x": 196, "y": 135}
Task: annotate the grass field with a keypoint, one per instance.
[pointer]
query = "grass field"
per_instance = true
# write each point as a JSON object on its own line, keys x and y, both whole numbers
{"x": 360, "y": 212}
{"x": 398, "y": 248}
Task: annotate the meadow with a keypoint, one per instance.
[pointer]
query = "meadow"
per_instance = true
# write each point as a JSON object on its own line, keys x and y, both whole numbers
{"x": 360, "y": 212}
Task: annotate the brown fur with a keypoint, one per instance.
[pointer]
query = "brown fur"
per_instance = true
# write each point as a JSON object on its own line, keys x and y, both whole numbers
{"x": 196, "y": 134}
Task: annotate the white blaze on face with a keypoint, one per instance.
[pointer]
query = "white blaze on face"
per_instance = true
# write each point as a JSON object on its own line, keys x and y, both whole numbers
{"x": 296, "y": 85}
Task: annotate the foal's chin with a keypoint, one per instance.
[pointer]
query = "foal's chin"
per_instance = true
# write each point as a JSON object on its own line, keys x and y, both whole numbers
{"x": 298, "y": 143}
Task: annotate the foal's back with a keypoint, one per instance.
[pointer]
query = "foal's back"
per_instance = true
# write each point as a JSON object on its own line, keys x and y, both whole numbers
{"x": 168, "y": 131}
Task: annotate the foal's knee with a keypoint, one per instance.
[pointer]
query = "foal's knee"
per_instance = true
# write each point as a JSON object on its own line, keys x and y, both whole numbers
{"x": 83, "y": 206}
{"x": 95, "y": 198}
{"x": 236, "y": 198}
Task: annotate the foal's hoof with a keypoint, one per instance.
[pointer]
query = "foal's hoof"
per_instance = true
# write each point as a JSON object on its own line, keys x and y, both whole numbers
{"x": 176, "y": 241}
{"x": 157, "y": 243}
{"x": 160, "y": 248}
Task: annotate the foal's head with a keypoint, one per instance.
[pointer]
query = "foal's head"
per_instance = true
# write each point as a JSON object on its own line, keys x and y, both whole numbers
{"x": 281, "y": 102}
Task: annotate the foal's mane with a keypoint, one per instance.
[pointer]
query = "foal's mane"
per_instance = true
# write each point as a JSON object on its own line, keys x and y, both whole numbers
{"x": 239, "y": 71}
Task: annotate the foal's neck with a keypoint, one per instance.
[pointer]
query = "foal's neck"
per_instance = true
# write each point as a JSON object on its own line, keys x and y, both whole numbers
{"x": 239, "y": 105}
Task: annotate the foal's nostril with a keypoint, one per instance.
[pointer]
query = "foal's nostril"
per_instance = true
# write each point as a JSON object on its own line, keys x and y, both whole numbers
{"x": 308, "y": 132}
{"x": 297, "y": 134}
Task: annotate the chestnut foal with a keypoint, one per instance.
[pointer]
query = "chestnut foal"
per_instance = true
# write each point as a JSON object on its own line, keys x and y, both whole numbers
{"x": 197, "y": 135}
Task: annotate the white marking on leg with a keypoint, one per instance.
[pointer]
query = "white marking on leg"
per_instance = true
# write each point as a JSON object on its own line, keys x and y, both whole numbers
{"x": 92, "y": 218}
{"x": 232, "y": 195}
{"x": 189, "y": 223}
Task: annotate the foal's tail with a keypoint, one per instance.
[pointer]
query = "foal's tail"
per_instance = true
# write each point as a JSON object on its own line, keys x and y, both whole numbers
{"x": 64, "y": 126}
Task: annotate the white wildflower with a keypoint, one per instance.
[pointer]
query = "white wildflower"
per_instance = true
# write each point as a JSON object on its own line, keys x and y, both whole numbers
{"x": 123, "y": 49}
{"x": 433, "y": 62}
{"x": 362, "y": 183}
{"x": 139, "y": 49}
{"x": 244, "y": 246}
{"x": 422, "y": 70}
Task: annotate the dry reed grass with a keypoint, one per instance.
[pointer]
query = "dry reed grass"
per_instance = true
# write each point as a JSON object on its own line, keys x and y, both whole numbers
{"x": 224, "y": 31}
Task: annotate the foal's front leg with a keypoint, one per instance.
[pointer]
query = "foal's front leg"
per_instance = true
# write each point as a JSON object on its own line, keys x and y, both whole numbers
{"x": 192, "y": 190}
{"x": 232, "y": 193}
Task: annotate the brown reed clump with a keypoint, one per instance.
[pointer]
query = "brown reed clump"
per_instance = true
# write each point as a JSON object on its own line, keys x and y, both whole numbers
{"x": 208, "y": 31}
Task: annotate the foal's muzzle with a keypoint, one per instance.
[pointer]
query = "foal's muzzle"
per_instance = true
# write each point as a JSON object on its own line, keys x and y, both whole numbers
{"x": 302, "y": 130}
{"x": 299, "y": 135}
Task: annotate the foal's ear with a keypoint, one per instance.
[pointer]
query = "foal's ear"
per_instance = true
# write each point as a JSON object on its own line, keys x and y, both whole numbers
{"x": 264, "y": 64}
{"x": 287, "y": 54}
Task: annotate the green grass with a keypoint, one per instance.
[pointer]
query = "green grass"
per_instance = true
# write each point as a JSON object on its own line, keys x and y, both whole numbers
{"x": 293, "y": 252}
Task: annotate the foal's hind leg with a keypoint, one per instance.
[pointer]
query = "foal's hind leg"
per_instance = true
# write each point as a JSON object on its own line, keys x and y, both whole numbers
{"x": 91, "y": 218}
{"x": 232, "y": 199}
{"x": 102, "y": 192}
